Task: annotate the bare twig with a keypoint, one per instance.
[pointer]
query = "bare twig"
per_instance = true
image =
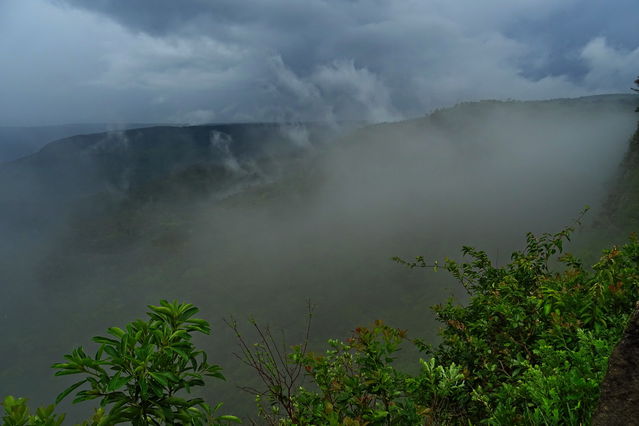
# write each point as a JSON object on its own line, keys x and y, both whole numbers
{"x": 271, "y": 361}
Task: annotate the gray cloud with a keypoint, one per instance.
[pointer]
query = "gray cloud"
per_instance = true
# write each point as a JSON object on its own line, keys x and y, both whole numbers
{"x": 199, "y": 60}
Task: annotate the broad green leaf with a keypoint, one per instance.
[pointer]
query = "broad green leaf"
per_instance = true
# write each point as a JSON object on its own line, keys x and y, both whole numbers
{"x": 117, "y": 382}
{"x": 180, "y": 352}
{"x": 161, "y": 379}
{"x": 105, "y": 340}
{"x": 116, "y": 331}
{"x": 188, "y": 313}
{"x": 85, "y": 397}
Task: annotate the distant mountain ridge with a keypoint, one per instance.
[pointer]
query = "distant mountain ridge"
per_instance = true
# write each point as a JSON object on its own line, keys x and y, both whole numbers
{"x": 150, "y": 161}
{"x": 17, "y": 141}
{"x": 163, "y": 161}
{"x": 130, "y": 159}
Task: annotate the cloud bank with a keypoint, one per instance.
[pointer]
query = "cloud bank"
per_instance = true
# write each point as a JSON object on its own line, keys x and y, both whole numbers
{"x": 200, "y": 61}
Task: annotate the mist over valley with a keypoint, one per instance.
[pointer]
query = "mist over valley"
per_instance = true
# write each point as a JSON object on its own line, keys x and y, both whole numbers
{"x": 257, "y": 219}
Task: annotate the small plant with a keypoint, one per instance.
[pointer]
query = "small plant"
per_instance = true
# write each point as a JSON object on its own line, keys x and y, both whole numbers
{"x": 355, "y": 382}
{"x": 271, "y": 361}
{"x": 140, "y": 372}
{"x": 16, "y": 413}
{"x": 534, "y": 343}
{"x": 352, "y": 383}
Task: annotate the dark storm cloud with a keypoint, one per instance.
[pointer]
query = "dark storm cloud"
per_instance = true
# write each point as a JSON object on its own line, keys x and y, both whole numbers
{"x": 563, "y": 35}
{"x": 205, "y": 60}
{"x": 156, "y": 17}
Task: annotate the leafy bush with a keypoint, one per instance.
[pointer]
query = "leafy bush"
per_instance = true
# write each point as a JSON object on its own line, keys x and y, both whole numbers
{"x": 353, "y": 383}
{"x": 530, "y": 347}
{"x": 356, "y": 382}
{"x": 535, "y": 342}
{"x": 17, "y": 414}
{"x": 140, "y": 372}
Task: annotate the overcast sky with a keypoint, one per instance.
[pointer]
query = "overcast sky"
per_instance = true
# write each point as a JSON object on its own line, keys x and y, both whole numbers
{"x": 245, "y": 60}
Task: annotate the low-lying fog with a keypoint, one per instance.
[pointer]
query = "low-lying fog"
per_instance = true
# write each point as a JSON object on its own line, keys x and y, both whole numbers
{"x": 479, "y": 174}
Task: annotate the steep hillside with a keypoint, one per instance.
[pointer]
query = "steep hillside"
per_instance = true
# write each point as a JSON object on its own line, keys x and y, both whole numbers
{"x": 621, "y": 210}
{"x": 146, "y": 163}
{"x": 16, "y": 142}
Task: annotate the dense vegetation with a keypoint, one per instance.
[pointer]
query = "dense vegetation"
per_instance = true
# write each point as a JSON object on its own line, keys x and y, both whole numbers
{"x": 139, "y": 374}
{"x": 529, "y": 347}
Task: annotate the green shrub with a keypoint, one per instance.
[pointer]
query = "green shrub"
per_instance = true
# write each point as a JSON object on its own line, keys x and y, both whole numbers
{"x": 533, "y": 342}
{"x": 140, "y": 372}
{"x": 16, "y": 413}
{"x": 530, "y": 347}
{"x": 354, "y": 382}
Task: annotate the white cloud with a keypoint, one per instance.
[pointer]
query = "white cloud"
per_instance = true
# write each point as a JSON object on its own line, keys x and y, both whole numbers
{"x": 139, "y": 60}
{"x": 331, "y": 92}
{"x": 609, "y": 68}
{"x": 354, "y": 92}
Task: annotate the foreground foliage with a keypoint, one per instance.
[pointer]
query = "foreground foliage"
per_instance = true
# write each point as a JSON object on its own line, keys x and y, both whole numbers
{"x": 139, "y": 374}
{"x": 16, "y": 413}
{"x": 530, "y": 347}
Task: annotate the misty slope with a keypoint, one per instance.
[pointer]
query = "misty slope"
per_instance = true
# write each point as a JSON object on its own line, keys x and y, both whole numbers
{"x": 621, "y": 209}
{"x": 145, "y": 162}
{"x": 499, "y": 165}
{"x": 16, "y": 142}
{"x": 322, "y": 226}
